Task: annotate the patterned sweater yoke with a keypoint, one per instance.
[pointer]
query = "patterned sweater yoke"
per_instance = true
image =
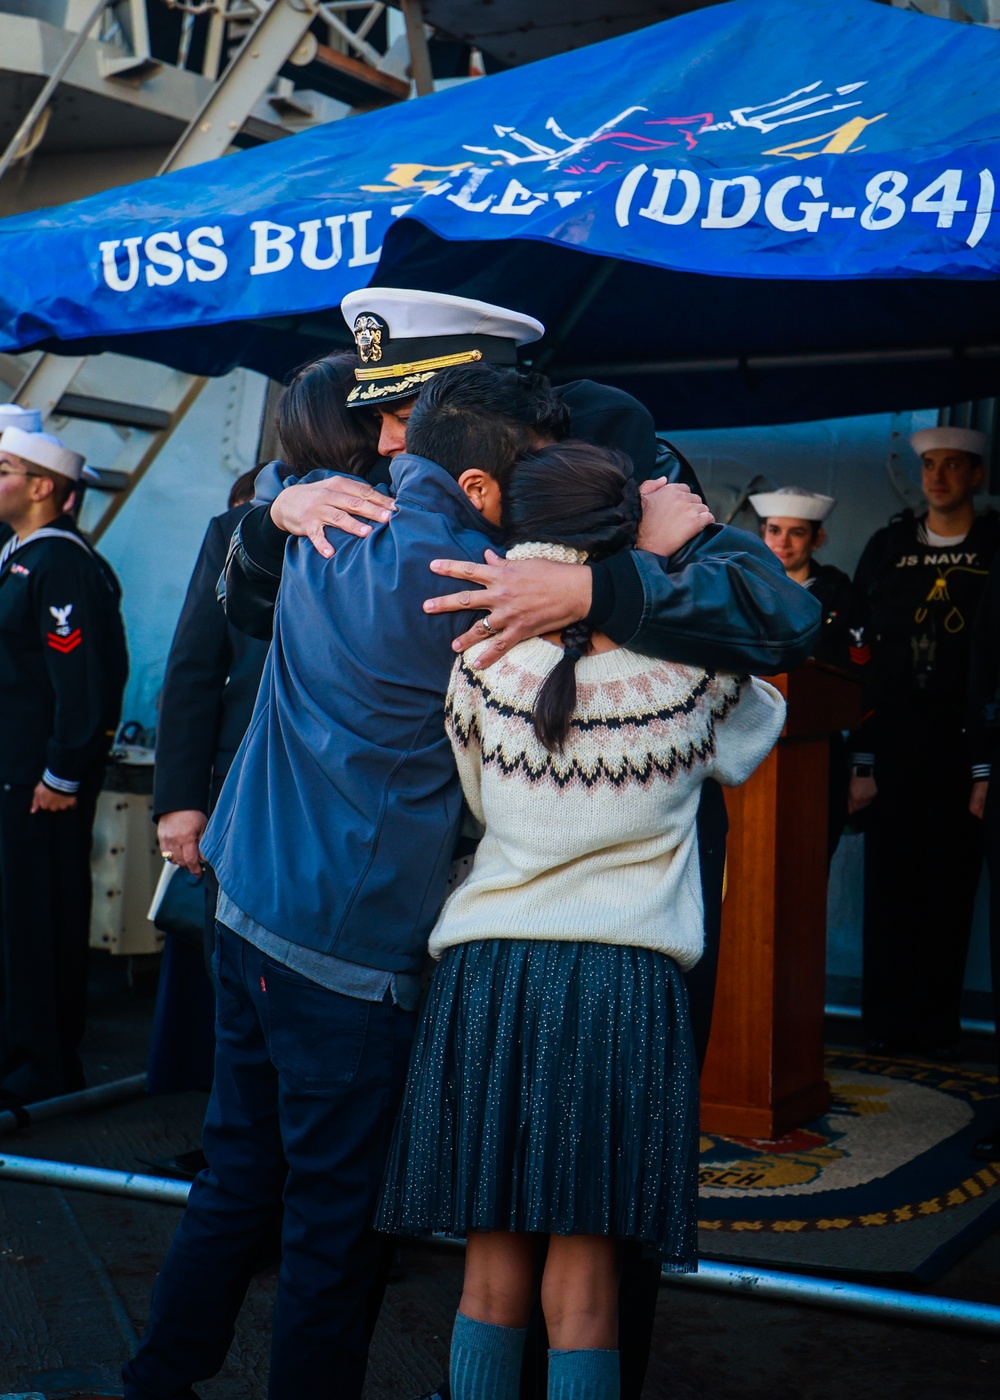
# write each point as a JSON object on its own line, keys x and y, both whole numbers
{"x": 597, "y": 843}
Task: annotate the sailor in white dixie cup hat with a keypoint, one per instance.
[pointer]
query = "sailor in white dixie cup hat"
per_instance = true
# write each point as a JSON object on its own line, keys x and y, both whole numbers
{"x": 42, "y": 450}
{"x": 792, "y": 528}
{"x": 917, "y": 592}
{"x": 968, "y": 441}
{"x": 63, "y": 665}
{"x": 12, "y": 415}
{"x": 793, "y": 502}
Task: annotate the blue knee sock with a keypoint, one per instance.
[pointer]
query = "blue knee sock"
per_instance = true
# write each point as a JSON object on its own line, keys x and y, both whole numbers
{"x": 583, "y": 1375}
{"x": 485, "y": 1360}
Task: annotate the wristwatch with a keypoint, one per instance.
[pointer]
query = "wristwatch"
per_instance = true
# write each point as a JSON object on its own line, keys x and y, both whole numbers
{"x": 862, "y": 770}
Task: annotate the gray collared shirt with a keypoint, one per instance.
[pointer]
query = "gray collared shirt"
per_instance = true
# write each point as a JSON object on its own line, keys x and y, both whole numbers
{"x": 335, "y": 974}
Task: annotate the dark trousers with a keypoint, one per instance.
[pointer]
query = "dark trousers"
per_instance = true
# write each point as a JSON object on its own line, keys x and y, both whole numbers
{"x": 640, "y": 1277}
{"x": 307, "y": 1083}
{"x": 991, "y": 834}
{"x": 923, "y": 857}
{"x": 45, "y": 895}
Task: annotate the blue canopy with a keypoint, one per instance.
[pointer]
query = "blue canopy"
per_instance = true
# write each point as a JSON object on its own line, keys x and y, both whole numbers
{"x": 763, "y": 210}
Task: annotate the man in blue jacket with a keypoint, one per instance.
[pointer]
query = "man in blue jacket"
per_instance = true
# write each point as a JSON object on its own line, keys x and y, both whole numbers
{"x": 331, "y": 842}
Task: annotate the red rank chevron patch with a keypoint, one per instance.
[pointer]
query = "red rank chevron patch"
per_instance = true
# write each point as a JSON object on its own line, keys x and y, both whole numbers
{"x": 65, "y": 645}
{"x": 861, "y": 655}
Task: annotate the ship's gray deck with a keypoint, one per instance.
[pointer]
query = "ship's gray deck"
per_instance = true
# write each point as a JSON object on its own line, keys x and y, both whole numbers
{"x": 76, "y": 1271}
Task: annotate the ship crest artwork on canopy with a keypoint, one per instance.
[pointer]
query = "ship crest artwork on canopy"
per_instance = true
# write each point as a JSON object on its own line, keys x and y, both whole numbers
{"x": 766, "y": 117}
{"x": 604, "y": 149}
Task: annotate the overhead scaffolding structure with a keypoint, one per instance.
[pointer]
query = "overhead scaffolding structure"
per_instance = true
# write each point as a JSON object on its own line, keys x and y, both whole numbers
{"x": 274, "y": 35}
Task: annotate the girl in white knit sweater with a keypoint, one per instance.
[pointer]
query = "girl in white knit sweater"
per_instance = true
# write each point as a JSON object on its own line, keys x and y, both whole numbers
{"x": 552, "y": 1093}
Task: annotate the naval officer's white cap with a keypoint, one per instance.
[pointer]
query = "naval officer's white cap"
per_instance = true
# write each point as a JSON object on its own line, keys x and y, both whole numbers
{"x": 955, "y": 439}
{"x": 794, "y": 503}
{"x": 42, "y": 450}
{"x": 404, "y": 337}
{"x": 12, "y": 415}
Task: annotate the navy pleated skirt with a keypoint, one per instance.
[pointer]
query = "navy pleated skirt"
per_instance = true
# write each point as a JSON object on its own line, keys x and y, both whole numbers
{"x": 552, "y": 1089}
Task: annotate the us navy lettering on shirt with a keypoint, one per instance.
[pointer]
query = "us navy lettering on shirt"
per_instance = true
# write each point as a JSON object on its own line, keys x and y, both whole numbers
{"x": 950, "y": 557}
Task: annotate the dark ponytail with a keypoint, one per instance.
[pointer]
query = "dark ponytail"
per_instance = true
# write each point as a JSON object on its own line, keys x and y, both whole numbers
{"x": 582, "y": 498}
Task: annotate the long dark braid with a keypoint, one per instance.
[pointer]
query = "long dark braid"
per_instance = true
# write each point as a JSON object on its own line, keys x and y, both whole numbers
{"x": 556, "y": 698}
{"x": 584, "y": 498}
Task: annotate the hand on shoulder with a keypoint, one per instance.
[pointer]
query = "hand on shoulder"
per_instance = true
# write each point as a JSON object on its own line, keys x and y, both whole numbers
{"x": 340, "y": 502}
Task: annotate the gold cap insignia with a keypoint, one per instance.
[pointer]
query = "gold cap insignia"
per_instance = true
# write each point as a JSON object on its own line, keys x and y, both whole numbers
{"x": 370, "y": 331}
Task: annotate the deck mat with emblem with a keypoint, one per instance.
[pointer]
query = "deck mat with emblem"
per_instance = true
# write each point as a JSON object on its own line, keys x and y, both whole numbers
{"x": 882, "y": 1184}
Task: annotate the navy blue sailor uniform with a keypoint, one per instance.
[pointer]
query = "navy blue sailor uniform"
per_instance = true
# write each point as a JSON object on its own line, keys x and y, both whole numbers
{"x": 831, "y": 588}
{"x": 63, "y": 666}
{"x": 913, "y": 607}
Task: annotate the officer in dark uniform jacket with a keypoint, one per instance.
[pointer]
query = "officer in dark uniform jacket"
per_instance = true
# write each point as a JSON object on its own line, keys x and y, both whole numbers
{"x": 916, "y": 594}
{"x": 63, "y": 666}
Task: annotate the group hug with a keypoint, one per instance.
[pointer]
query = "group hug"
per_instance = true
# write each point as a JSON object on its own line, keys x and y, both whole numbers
{"x": 470, "y": 859}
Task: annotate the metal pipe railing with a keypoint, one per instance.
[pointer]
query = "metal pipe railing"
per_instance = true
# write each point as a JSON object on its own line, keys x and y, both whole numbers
{"x": 111, "y": 1183}
{"x": 84, "y": 1099}
{"x": 805, "y": 1290}
{"x": 889, "y": 1304}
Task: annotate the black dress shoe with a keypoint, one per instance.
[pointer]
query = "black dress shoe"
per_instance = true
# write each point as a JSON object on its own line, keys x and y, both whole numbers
{"x": 443, "y": 1392}
{"x": 987, "y": 1149}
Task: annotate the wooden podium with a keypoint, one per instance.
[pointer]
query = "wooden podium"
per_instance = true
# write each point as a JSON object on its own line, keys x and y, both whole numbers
{"x": 764, "y": 1071}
